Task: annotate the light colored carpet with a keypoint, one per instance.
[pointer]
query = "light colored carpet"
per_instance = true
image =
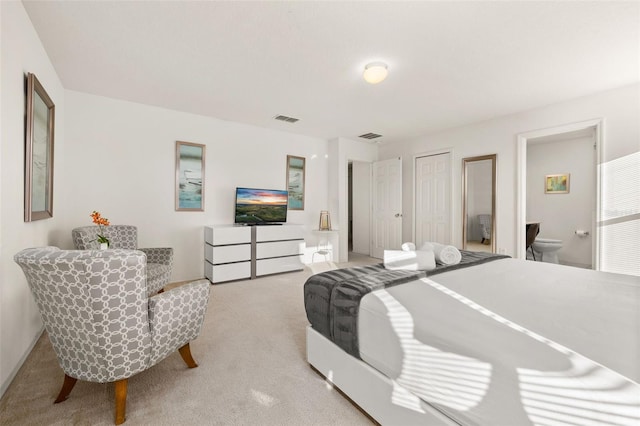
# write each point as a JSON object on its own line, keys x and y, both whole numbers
{"x": 252, "y": 370}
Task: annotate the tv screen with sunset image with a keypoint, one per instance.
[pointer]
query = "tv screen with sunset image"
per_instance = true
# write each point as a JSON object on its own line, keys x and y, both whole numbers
{"x": 261, "y": 206}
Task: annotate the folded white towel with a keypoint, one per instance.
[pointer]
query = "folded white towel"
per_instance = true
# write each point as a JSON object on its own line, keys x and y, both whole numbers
{"x": 409, "y": 260}
{"x": 445, "y": 255}
{"x": 408, "y": 247}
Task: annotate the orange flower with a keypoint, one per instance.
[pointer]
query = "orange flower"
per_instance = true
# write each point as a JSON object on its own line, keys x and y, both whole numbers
{"x": 100, "y": 221}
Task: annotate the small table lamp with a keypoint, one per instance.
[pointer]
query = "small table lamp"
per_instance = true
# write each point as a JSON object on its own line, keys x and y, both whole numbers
{"x": 325, "y": 221}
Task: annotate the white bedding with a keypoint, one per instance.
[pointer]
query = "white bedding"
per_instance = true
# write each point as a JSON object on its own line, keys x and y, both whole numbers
{"x": 510, "y": 342}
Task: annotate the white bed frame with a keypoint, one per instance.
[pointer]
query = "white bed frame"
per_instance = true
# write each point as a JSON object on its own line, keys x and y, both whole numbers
{"x": 364, "y": 385}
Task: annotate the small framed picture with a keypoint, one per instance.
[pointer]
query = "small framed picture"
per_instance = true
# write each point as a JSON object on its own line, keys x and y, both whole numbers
{"x": 190, "y": 176}
{"x": 295, "y": 182}
{"x": 556, "y": 184}
{"x": 38, "y": 182}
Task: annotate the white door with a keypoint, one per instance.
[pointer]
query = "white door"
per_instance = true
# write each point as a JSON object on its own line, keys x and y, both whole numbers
{"x": 433, "y": 199}
{"x": 387, "y": 206}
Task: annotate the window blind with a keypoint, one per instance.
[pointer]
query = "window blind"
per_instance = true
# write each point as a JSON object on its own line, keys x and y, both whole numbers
{"x": 620, "y": 215}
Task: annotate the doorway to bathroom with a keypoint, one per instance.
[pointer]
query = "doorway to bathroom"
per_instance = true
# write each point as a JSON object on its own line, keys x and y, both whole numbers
{"x": 559, "y": 192}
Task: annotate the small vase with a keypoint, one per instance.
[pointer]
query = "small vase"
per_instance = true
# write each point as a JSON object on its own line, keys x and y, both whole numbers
{"x": 104, "y": 246}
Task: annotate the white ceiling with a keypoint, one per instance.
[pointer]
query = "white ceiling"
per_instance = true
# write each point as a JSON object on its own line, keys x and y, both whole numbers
{"x": 450, "y": 63}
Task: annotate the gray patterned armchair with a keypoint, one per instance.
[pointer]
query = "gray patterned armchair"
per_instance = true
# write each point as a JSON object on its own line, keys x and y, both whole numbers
{"x": 485, "y": 227}
{"x": 159, "y": 260}
{"x": 101, "y": 323}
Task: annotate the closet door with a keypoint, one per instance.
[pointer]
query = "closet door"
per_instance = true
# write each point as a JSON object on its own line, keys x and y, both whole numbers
{"x": 433, "y": 199}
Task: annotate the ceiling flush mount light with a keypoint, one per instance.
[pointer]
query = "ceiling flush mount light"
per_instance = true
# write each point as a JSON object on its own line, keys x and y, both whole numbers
{"x": 375, "y": 72}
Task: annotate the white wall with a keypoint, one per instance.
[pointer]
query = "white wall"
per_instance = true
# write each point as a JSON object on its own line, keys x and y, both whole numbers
{"x": 341, "y": 151}
{"x": 619, "y": 107}
{"x": 561, "y": 215}
{"x": 121, "y": 158}
{"x": 22, "y": 52}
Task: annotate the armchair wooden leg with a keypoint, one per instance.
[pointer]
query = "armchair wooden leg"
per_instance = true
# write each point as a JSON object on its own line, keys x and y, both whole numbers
{"x": 185, "y": 352}
{"x": 121, "y": 400}
{"x": 67, "y": 386}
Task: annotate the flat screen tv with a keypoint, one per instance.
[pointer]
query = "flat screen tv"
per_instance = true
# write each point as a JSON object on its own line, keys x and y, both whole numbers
{"x": 261, "y": 206}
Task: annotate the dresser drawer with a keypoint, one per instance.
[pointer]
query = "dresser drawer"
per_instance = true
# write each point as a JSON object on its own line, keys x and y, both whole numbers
{"x": 223, "y": 235}
{"x": 227, "y": 272}
{"x": 279, "y": 248}
{"x": 277, "y": 233}
{"x": 278, "y": 264}
{"x": 227, "y": 254}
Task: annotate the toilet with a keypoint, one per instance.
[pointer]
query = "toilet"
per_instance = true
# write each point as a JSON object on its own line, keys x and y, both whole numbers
{"x": 546, "y": 249}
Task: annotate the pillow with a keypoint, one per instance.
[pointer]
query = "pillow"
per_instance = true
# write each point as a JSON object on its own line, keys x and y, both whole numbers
{"x": 445, "y": 255}
{"x": 408, "y": 247}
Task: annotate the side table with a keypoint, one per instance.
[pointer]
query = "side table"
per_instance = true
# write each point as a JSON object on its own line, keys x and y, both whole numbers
{"x": 324, "y": 245}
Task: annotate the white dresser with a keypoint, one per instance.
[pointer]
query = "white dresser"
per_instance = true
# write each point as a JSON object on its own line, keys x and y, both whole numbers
{"x": 234, "y": 252}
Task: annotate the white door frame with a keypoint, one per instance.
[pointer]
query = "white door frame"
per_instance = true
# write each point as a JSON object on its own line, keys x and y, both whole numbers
{"x": 369, "y": 207}
{"x": 413, "y": 192}
{"x": 521, "y": 199}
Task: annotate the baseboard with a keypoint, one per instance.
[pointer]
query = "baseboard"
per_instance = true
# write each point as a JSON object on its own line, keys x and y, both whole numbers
{"x": 23, "y": 358}
{"x": 575, "y": 265}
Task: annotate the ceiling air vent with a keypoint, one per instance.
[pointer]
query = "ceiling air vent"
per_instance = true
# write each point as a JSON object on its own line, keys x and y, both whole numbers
{"x": 370, "y": 136}
{"x": 285, "y": 118}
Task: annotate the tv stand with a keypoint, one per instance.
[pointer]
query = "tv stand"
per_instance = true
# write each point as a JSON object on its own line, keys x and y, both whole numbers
{"x": 241, "y": 252}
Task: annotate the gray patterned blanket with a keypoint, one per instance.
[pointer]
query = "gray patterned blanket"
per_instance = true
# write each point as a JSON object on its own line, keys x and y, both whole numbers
{"x": 332, "y": 298}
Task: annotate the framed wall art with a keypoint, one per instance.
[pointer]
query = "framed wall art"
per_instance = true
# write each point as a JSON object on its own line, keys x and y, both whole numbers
{"x": 38, "y": 168}
{"x": 190, "y": 167}
{"x": 295, "y": 182}
{"x": 556, "y": 184}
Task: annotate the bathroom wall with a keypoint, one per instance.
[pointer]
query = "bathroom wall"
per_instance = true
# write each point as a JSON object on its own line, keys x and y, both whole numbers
{"x": 561, "y": 215}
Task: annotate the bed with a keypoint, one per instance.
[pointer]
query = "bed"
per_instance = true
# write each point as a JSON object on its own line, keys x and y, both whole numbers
{"x": 497, "y": 341}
